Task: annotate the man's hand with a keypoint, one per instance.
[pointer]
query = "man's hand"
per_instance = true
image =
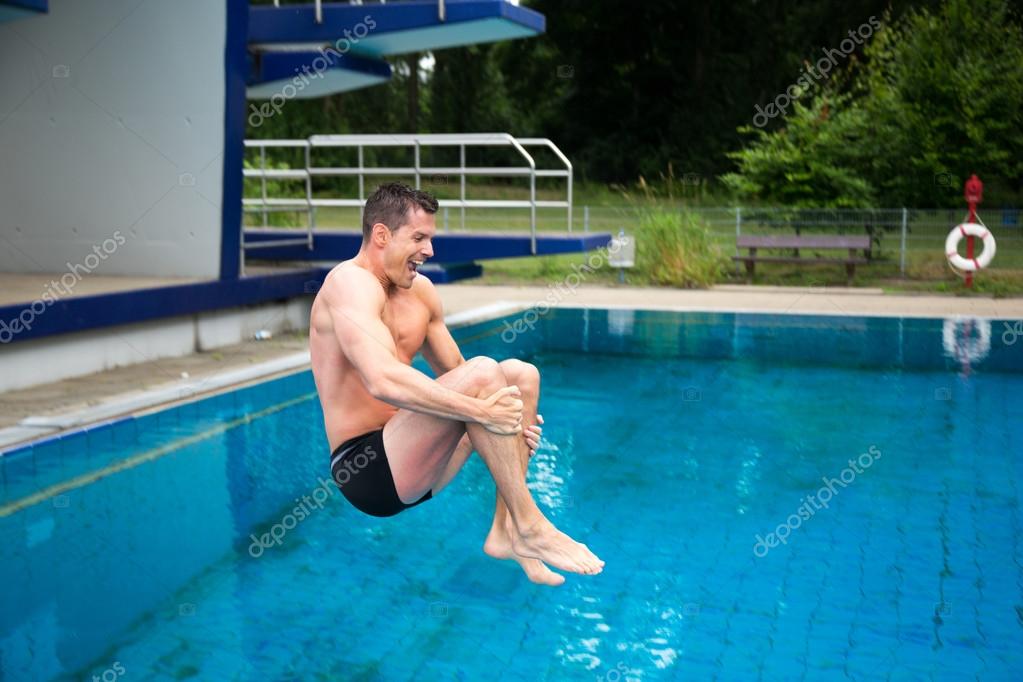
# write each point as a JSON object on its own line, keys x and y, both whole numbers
{"x": 532, "y": 435}
{"x": 503, "y": 411}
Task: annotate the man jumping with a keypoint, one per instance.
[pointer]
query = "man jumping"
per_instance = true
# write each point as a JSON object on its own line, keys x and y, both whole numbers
{"x": 397, "y": 436}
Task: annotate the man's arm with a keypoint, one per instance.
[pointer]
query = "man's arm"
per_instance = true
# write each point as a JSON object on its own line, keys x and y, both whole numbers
{"x": 439, "y": 349}
{"x": 355, "y": 301}
{"x": 442, "y": 353}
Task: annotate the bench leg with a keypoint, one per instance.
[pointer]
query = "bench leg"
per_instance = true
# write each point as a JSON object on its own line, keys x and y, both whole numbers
{"x": 850, "y": 271}
{"x": 749, "y": 271}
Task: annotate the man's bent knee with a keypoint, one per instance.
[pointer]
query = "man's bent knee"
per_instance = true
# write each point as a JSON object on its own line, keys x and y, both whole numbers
{"x": 484, "y": 376}
{"x": 523, "y": 374}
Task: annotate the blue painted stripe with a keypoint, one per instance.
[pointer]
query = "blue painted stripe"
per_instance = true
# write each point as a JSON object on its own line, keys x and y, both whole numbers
{"x": 448, "y": 248}
{"x": 297, "y": 24}
{"x": 129, "y": 307}
{"x": 284, "y": 66}
{"x": 41, "y": 6}
{"x": 236, "y": 70}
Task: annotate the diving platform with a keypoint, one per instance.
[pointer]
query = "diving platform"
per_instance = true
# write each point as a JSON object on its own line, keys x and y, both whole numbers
{"x": 392, "y": 28}
{"x": 455, "y": 254}
{"x": 322, "y": 48}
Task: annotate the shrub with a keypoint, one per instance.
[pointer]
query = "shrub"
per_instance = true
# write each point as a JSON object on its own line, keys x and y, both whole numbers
{"x": 675, "y": 249}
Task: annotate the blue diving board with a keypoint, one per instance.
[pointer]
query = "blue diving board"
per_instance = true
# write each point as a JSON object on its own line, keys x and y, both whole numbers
{"x": 19, "y": 9}
{"x": 312, "y": 74}
{"x": 394, "y": 28}
{"x": 330, "y": 245}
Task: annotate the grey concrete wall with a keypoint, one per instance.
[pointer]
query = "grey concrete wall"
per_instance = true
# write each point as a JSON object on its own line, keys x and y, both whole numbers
{"x": 111, "y": 138}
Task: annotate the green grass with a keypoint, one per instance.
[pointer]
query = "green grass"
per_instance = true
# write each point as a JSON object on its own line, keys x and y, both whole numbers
{"x": 926, "y": 268}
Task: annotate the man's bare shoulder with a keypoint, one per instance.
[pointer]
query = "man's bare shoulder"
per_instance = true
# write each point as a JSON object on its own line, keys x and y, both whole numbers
{"x": 428, "y": 294}
{"x": 348, "y": 283}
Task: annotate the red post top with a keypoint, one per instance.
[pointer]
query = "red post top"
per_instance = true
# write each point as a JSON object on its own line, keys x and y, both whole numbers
{"x": 973, "y": 190}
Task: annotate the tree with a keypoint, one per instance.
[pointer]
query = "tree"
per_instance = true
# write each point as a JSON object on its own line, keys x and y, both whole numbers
{"x": 815, "y": 160}
{"x": 944, "y": 92}
{"x": 940, "y": 96}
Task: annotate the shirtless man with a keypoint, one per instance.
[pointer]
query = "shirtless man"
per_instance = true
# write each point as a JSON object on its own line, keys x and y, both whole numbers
{"x": 397, "y": 436}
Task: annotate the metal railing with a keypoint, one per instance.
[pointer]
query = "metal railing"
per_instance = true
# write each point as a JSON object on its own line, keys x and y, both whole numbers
{"x": 318, "y": 5}
{"x": 903, "y": 239}
{"x": 266, "y": 204}
{"x": 308, "y": 204}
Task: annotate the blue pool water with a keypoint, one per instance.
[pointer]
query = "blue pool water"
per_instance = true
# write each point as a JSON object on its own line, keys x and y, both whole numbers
{"x": 673, "y": 441}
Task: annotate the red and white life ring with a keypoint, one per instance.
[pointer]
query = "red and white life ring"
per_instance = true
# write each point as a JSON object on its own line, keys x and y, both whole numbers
{"x": 969, "y": 264}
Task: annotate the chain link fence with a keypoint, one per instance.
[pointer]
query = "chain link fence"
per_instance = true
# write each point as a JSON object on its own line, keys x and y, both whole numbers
{"x": 905, "y": 242}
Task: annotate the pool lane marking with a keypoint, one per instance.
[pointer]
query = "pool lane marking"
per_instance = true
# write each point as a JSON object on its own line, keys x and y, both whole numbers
{"x": 147, "y": 456}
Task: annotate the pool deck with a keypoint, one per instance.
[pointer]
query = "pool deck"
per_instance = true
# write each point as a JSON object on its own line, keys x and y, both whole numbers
{"x": 49, "y": 409}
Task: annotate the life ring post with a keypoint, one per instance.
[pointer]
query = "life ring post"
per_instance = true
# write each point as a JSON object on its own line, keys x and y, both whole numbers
{"x": 973, "y": 192}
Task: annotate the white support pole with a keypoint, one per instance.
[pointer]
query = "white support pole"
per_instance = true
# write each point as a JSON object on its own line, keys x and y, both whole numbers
{"x": 569, "y": 198}
{"x": 362, "y": 178}
{"x": 461, "y": 161}
{"x": 738, "y": 233}
{"x": 532, "y": 211}
{"x": 417, "y": 163}
{"x": 586, "y": 218}
{"x": 310, "y": 210}
{"x": 262, "y": 167}
{"x": 902, "y": 246}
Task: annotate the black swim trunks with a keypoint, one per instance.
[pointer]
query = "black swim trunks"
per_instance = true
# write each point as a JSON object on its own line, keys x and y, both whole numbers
{"x": 360, "y": 469}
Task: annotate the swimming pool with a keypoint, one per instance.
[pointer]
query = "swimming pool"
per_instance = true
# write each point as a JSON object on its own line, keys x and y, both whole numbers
{"x": 204, "y": 541}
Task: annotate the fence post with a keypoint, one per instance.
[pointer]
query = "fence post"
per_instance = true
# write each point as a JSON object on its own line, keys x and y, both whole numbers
{"x": 586, "y": 218}
{"x": 902, "y": 246}
{"x": 262, "y": 168}
{"x": 738, "y": 232}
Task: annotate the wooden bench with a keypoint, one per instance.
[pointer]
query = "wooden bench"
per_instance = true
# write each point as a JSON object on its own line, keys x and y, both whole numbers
{"x": 813, "y": 242}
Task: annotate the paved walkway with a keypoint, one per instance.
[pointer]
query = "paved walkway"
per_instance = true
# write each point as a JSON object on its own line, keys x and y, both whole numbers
{"x": 51, "y": 405}
{"x": 812, "y": 300}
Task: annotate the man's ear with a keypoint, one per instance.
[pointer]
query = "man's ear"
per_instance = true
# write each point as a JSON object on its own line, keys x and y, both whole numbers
{"x": 380, "y": 234}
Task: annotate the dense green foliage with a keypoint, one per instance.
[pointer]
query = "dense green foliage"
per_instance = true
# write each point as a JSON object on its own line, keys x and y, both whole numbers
{"x": 939, "y": 97}
{"x": 628, "y": 88}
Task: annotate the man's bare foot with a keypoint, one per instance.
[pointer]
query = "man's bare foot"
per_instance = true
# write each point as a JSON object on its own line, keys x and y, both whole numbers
{"x": 499, "y": 546}
{"x": 545, "y": 542}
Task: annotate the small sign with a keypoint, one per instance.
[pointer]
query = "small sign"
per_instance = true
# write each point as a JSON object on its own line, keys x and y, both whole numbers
{"x": 621, "y": 251}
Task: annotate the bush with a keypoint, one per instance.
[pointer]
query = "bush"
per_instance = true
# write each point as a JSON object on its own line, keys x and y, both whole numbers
{"x": 938, "y": 97}
{"x": 675, "y": 249}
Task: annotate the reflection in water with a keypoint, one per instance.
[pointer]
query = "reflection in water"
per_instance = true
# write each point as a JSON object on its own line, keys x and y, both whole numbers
{"x": 967, "y": 340}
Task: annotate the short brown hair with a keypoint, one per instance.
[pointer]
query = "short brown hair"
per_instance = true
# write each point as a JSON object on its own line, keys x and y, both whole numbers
{"x": 390, "y": 205}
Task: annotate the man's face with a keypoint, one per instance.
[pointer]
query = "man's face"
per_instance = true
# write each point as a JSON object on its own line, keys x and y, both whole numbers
{"x": 409, "y": 247}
